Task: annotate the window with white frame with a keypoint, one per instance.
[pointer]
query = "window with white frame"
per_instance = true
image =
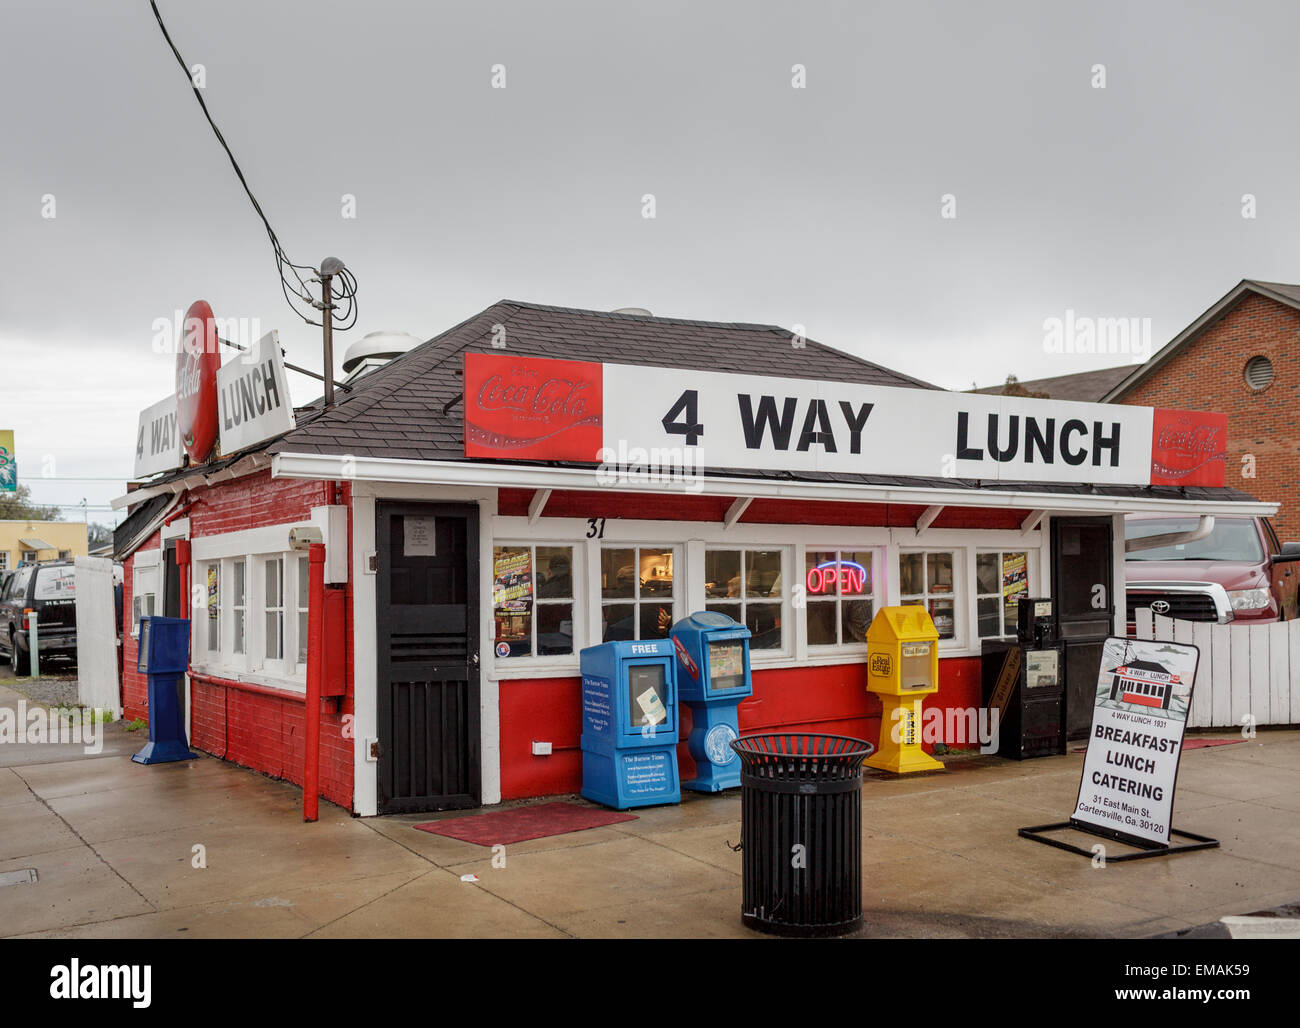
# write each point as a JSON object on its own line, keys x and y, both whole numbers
{"x": 926, "y": 579}
{"x": 4, "y": 560}
{"x": 29, "y": 556}
{"x": 65, "y": 555}
{"x": 532, "y": 600}
{"x": 256, "y": 615}
{"x": 746, "y": 585}
{"x": 1001, "y": 581}
{"x": 638, "y": 592}
{"x": 840, "y": 598}
{"x": 146, "y": 577}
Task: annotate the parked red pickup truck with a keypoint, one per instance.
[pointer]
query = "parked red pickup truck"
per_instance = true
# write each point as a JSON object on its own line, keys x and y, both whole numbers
{"x": 1239, "y": 572}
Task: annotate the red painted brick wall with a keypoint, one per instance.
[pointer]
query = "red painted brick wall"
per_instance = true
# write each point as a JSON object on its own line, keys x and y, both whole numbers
{"x": 833, "y": 700}
{"x": 254, "y": 726}
{"x": 1207, "y": 374}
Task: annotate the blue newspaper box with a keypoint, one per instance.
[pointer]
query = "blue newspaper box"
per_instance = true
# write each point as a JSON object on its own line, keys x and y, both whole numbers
{"x": 164, "y": 656}
{"x": 629, "y": 724}
{"x": 712, "y": 678}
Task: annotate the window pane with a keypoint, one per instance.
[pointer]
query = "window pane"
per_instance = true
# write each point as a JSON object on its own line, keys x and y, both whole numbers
{"x": 239, "y": 631}
{"x": 820, "y": 572}
{"x": 941, "y": 615}
{"x": 1015, "y": 584}
{"x": 721, "y": 573}
{"x": 274, "y": 569}
{"x": 988, "y": 616}
{"x": 656, "y": 620}
{"x": 514, "y": 634}
{"x": 764, "y": 621}
{"x": 237, "y": 592}
{"x": 732, "y": 610}
{"x": 939, "y": 569}
{"x": 656, "y": 573}
{"x": 762, "y": 572}
{"x": 554, "y": 628}
{"x": 555, "y": 572}
{"x": 619, "y": 621}
{"x": 512, "y": 582}
{"x": 911, "y": 574}
{"x": 304, "y": 582}
{"x": 857, "y": 615}
{"x": 858, "y": 582}
{"x": 986, "y": 574}
{"x": 274, "y": 646}
{"x": 213, "y": 579}
{"x": 618, "y": 574}
{"x": 821, "y": 623}
{"x": 302, "y": 637}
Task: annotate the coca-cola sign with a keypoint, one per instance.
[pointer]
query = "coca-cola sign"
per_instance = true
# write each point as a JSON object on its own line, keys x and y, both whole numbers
{"x": 529, "y": 408}
{"x": 1188, "y": 448}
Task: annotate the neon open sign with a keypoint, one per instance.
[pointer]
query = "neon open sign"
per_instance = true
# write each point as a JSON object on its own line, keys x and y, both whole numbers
{"x": 851, "y": 576}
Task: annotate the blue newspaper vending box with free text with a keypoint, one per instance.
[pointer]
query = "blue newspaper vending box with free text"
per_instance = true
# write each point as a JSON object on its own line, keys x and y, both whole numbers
{"x": 629, "y": 724}
{"x": 713, "y": 677}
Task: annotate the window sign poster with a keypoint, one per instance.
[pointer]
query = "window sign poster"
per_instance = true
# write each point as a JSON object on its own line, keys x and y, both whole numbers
{"x": 1015, "y": 575}
{"x": 512, "y": 580}
{"x": 1144, "y": 692}
{"x": 212, "y": 593}
{"x": 418, "y": 538}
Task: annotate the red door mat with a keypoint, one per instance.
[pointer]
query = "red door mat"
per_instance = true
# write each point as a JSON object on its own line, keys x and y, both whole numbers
{"x": 522, "y": 823}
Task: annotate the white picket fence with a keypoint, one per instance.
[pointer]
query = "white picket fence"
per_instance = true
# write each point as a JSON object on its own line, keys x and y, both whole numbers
{"x": 1245, "y": 671}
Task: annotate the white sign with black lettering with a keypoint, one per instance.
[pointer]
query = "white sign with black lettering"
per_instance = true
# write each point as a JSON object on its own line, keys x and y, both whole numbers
{"x": 758, "y": 422}
{"x": 419, "y": 536}
{"x": 253, "y": 394}
{"x": 157, "y": 441}
{"x": 1139, "y": 716}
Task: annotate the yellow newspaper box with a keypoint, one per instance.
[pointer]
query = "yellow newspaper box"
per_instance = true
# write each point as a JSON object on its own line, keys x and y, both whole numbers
{"x": 903, "y": 668}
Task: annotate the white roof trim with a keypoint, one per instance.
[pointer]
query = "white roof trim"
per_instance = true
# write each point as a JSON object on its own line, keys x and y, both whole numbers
{"x": 432, "y": 472}
{"x": 253, "y": 462}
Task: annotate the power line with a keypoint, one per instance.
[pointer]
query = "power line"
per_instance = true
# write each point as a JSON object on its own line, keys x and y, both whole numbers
{"x": 347, "y": 290}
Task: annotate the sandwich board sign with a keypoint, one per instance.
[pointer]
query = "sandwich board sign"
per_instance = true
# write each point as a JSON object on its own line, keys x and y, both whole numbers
{"x": 1139, "y": 718}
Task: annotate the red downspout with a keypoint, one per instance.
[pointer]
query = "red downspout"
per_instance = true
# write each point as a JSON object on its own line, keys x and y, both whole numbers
{"x": 315, "y": 659}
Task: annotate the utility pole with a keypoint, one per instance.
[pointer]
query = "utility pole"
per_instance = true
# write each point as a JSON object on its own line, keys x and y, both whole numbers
{"x": 329, "y": 267}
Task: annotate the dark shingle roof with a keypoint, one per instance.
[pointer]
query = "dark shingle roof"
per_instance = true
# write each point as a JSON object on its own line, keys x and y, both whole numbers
{"x": 1086, "y": 386}
{"x": 397, "y": 410}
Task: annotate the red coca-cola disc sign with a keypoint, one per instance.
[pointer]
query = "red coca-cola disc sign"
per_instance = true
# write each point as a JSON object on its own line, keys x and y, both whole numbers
{"x": 533, "y": 408}
{"x": 1188, "y": 448}
{"x": 198, "y": 357}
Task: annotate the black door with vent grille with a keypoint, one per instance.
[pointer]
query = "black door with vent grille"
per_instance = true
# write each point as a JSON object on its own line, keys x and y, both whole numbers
{"x": 1083, "y": 587}
{"x": 428, "y": 640}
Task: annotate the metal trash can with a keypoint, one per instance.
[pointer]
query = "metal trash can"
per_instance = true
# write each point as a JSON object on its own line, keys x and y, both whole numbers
{"x": 801, "y": 832}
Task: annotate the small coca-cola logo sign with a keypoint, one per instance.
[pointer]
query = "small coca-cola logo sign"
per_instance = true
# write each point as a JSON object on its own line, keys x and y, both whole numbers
{"x": 1188, "y": 448}
{"x": 532, "y": 408}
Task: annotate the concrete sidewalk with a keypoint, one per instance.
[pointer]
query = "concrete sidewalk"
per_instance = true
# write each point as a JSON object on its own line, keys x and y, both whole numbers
{"x": 114, "y": 846}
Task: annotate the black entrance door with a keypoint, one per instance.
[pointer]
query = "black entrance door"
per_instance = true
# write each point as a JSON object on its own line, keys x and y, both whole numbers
{"x": 427, "y": 638}
{"x": 1084, "y": 590}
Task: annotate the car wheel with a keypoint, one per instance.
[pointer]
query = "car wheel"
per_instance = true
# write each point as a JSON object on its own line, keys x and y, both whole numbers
{"x": 22, "y": 662}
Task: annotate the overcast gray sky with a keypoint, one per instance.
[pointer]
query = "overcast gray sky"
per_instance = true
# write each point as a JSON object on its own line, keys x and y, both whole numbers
{"x": 819, "y": 206}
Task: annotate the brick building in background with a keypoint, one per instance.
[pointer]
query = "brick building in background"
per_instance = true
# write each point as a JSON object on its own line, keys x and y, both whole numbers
{"x": 1241, "y": 357}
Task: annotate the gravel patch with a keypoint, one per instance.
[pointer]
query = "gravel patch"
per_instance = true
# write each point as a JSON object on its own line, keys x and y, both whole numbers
{"x": 48, "y": 689}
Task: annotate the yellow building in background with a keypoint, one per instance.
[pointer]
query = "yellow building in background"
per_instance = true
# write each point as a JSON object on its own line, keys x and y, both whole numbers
{"x": 26, "y": 542}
